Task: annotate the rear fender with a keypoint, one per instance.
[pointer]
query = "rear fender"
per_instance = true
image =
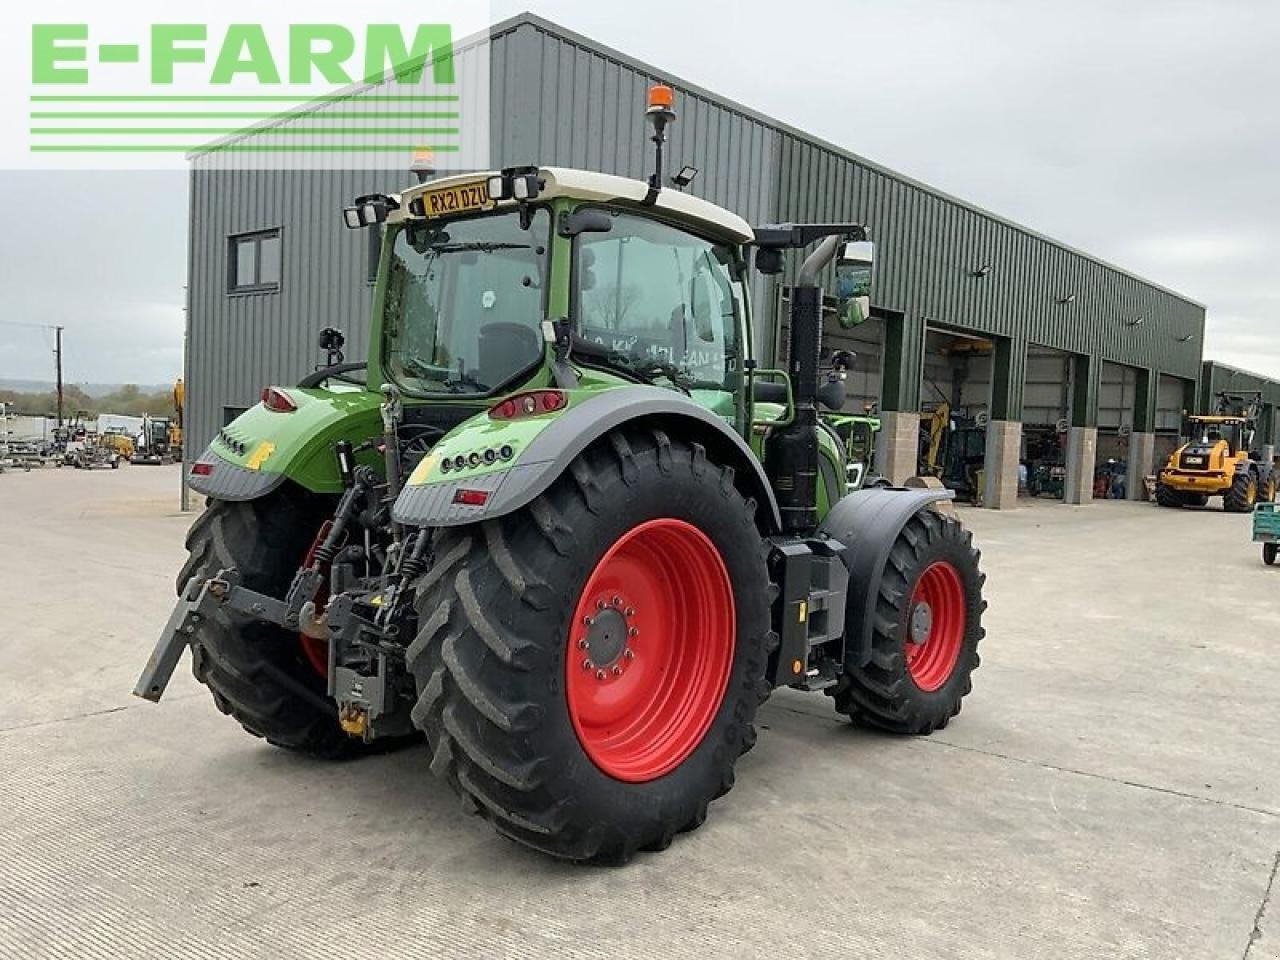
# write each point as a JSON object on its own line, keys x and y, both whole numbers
{"x": 542, "y": 447}
{"x": 260, "y": 449}
{"x": 868, "y": 523}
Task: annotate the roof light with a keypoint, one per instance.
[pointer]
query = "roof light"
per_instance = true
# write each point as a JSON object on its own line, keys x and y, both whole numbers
{"x": 423, "y": 164}
{"x": 471, "y": 498}
{"x": 276, "y": 400}
{"x": 529, "y": 404}
{"x": 661, "y": 97}
{"x": 685, "y": 176}
{"x": 352, "y": 217}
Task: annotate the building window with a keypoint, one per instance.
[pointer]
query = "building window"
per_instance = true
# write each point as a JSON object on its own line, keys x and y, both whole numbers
{"x": 253, "y": 262}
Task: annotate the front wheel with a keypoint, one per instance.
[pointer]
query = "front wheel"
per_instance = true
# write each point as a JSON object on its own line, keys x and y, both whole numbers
{"x": 1269, "y": 551}
{"x": 589, "y": 667}
{"x": 1243, "y": 493}
{"x": 928, "y": 621}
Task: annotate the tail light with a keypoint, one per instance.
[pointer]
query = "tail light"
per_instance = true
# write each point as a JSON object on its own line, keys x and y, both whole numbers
{"x": 529, "y": 405}
{"x": 201, "y": 468}
{"x": 275, "y": 399}
{"x": 471, "y": 498}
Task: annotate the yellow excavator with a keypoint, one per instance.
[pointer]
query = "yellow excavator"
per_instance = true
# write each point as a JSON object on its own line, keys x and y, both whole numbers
{"x": 161, "y": 438}
{"x": 1219, "y": 459}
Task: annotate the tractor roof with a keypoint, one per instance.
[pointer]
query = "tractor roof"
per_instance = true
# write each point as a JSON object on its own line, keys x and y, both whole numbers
{"x": 589, "y": 185}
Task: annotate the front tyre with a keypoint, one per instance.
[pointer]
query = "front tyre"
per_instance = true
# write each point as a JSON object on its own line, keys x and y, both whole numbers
{"x": 928, "y": 622}
{"x": 589, "y": 667}
{"x": 1243, "y": 493}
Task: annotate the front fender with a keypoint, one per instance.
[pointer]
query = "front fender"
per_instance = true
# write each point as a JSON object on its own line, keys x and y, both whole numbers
{"x": 868, "y": 523}
{"x": 261, "y": 448}
{"x": 542, "y": 447}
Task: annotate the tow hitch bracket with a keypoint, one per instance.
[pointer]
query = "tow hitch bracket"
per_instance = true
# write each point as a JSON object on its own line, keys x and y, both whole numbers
{"x": 199, "y": 602}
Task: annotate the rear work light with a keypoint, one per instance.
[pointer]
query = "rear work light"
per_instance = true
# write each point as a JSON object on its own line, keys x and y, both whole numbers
{"x": 275, "y": 399}
{"x": 529, "y": 404}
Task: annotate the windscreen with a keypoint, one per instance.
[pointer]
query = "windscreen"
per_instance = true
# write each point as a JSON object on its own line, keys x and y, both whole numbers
{"x": 464, "y": 302}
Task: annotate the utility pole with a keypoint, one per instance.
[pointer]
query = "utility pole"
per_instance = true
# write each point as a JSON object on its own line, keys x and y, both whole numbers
{"x": 57, "y": 365}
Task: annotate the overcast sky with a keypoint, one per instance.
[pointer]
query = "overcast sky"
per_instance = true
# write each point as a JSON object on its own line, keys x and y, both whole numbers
{"x": 1146, "y": 133}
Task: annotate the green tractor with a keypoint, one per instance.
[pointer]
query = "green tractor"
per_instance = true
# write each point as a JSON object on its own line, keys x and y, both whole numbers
{"x": 561, "y": 524}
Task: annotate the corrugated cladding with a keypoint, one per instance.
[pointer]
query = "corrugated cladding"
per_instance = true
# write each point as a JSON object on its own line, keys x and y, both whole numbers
{"x": 559, "y": 98}
{"x": 929, "y": 245}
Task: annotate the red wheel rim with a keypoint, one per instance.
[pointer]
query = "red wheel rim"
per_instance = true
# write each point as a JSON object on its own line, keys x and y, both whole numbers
{"x": 935, "y": 627}
{"x": 650, "y": 650}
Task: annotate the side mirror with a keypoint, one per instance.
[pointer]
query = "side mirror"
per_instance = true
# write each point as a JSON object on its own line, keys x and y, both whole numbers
{"x": 832, "y": 393}
{"x": 855, "y": 265}
{"x": 585, "y": 220}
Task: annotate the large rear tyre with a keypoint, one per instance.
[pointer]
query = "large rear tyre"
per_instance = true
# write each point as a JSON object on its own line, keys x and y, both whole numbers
{"x": 589, "y": 667}
{"x": 1168, "y": 497}
{"x": 928, "y": 622}
{"x": 258, "y": 673}
{"x": 1243, "y": 493}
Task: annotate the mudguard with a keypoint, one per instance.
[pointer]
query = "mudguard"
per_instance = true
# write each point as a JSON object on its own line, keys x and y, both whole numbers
{"x": 434, "y": 498}
{"x": 868, "y": 523}
{"x": 261, "y": 448}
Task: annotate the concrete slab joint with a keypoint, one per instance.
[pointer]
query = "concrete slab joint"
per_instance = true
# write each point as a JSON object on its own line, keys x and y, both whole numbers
{"x": 898, "y": 445}
{"x": 1004, "y": 447}
{"x": 1082, "y": 455}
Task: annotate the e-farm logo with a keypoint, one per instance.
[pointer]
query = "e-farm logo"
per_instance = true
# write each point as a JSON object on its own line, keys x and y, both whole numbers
{"x": 276, "y": 92}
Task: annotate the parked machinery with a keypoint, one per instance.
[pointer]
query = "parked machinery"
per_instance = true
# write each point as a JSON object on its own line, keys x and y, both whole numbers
{"x": 1220, "y": 459}
{"x": 561, "y": 523}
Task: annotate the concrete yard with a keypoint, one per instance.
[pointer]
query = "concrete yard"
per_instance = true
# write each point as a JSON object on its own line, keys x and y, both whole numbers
{"x": 1112, "y": 788}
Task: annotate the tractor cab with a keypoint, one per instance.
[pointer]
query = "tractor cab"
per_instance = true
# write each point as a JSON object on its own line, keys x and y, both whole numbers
{"x": 1211, "y": 431}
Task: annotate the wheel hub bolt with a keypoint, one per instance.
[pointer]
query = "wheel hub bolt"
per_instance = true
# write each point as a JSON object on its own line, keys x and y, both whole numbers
{"x": 587, "y": 621}
{"x": 600, "y": 604}
{"x": 617, "y": 670}
{"x": 617, "y": 600}
{"x": 631, "y": 611}
{"x": 588, "y": 665}
{"x": 629, "y": 654}
{"x": 633, "y": 632}
{"x": 583, "y": 644}
{"x": 600, "y": 674}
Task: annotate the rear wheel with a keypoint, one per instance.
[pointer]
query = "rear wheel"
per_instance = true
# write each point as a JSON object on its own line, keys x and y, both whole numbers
{"x": 1243, "y": 493}
{"x": 259, "y": 673}
{"x": 1166, "y": 496}
{"x": 1269, "y": 488}
{"x": 593, "y": 725}
{"x": 1269, "y": 551}
{"x": 928, "y": 621}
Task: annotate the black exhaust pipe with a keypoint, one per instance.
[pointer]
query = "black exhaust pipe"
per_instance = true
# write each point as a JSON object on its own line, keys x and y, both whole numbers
{"x": 793, "y": 449}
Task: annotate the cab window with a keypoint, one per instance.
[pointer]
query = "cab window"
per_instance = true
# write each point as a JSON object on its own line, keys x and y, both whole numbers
{"x": 660, "y": 300}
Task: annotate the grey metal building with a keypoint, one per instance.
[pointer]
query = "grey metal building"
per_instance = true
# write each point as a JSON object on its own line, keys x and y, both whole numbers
{"x": 1036, "y": 340}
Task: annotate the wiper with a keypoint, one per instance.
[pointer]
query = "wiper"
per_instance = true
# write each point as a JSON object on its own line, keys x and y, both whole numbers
{"x": 478, "y": 246}
{"x": 464, "y": 383}
{"x": 623, "y": 363}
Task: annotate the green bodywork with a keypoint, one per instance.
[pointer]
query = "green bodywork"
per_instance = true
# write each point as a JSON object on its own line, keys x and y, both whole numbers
{"x": 299, "y": 444}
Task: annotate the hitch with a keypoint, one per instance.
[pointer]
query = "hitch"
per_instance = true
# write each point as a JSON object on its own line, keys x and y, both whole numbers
{"x": 200, "y": 601}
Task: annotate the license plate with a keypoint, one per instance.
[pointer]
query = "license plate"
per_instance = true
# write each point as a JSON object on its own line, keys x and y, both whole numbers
{"x": 459, "y": 199}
